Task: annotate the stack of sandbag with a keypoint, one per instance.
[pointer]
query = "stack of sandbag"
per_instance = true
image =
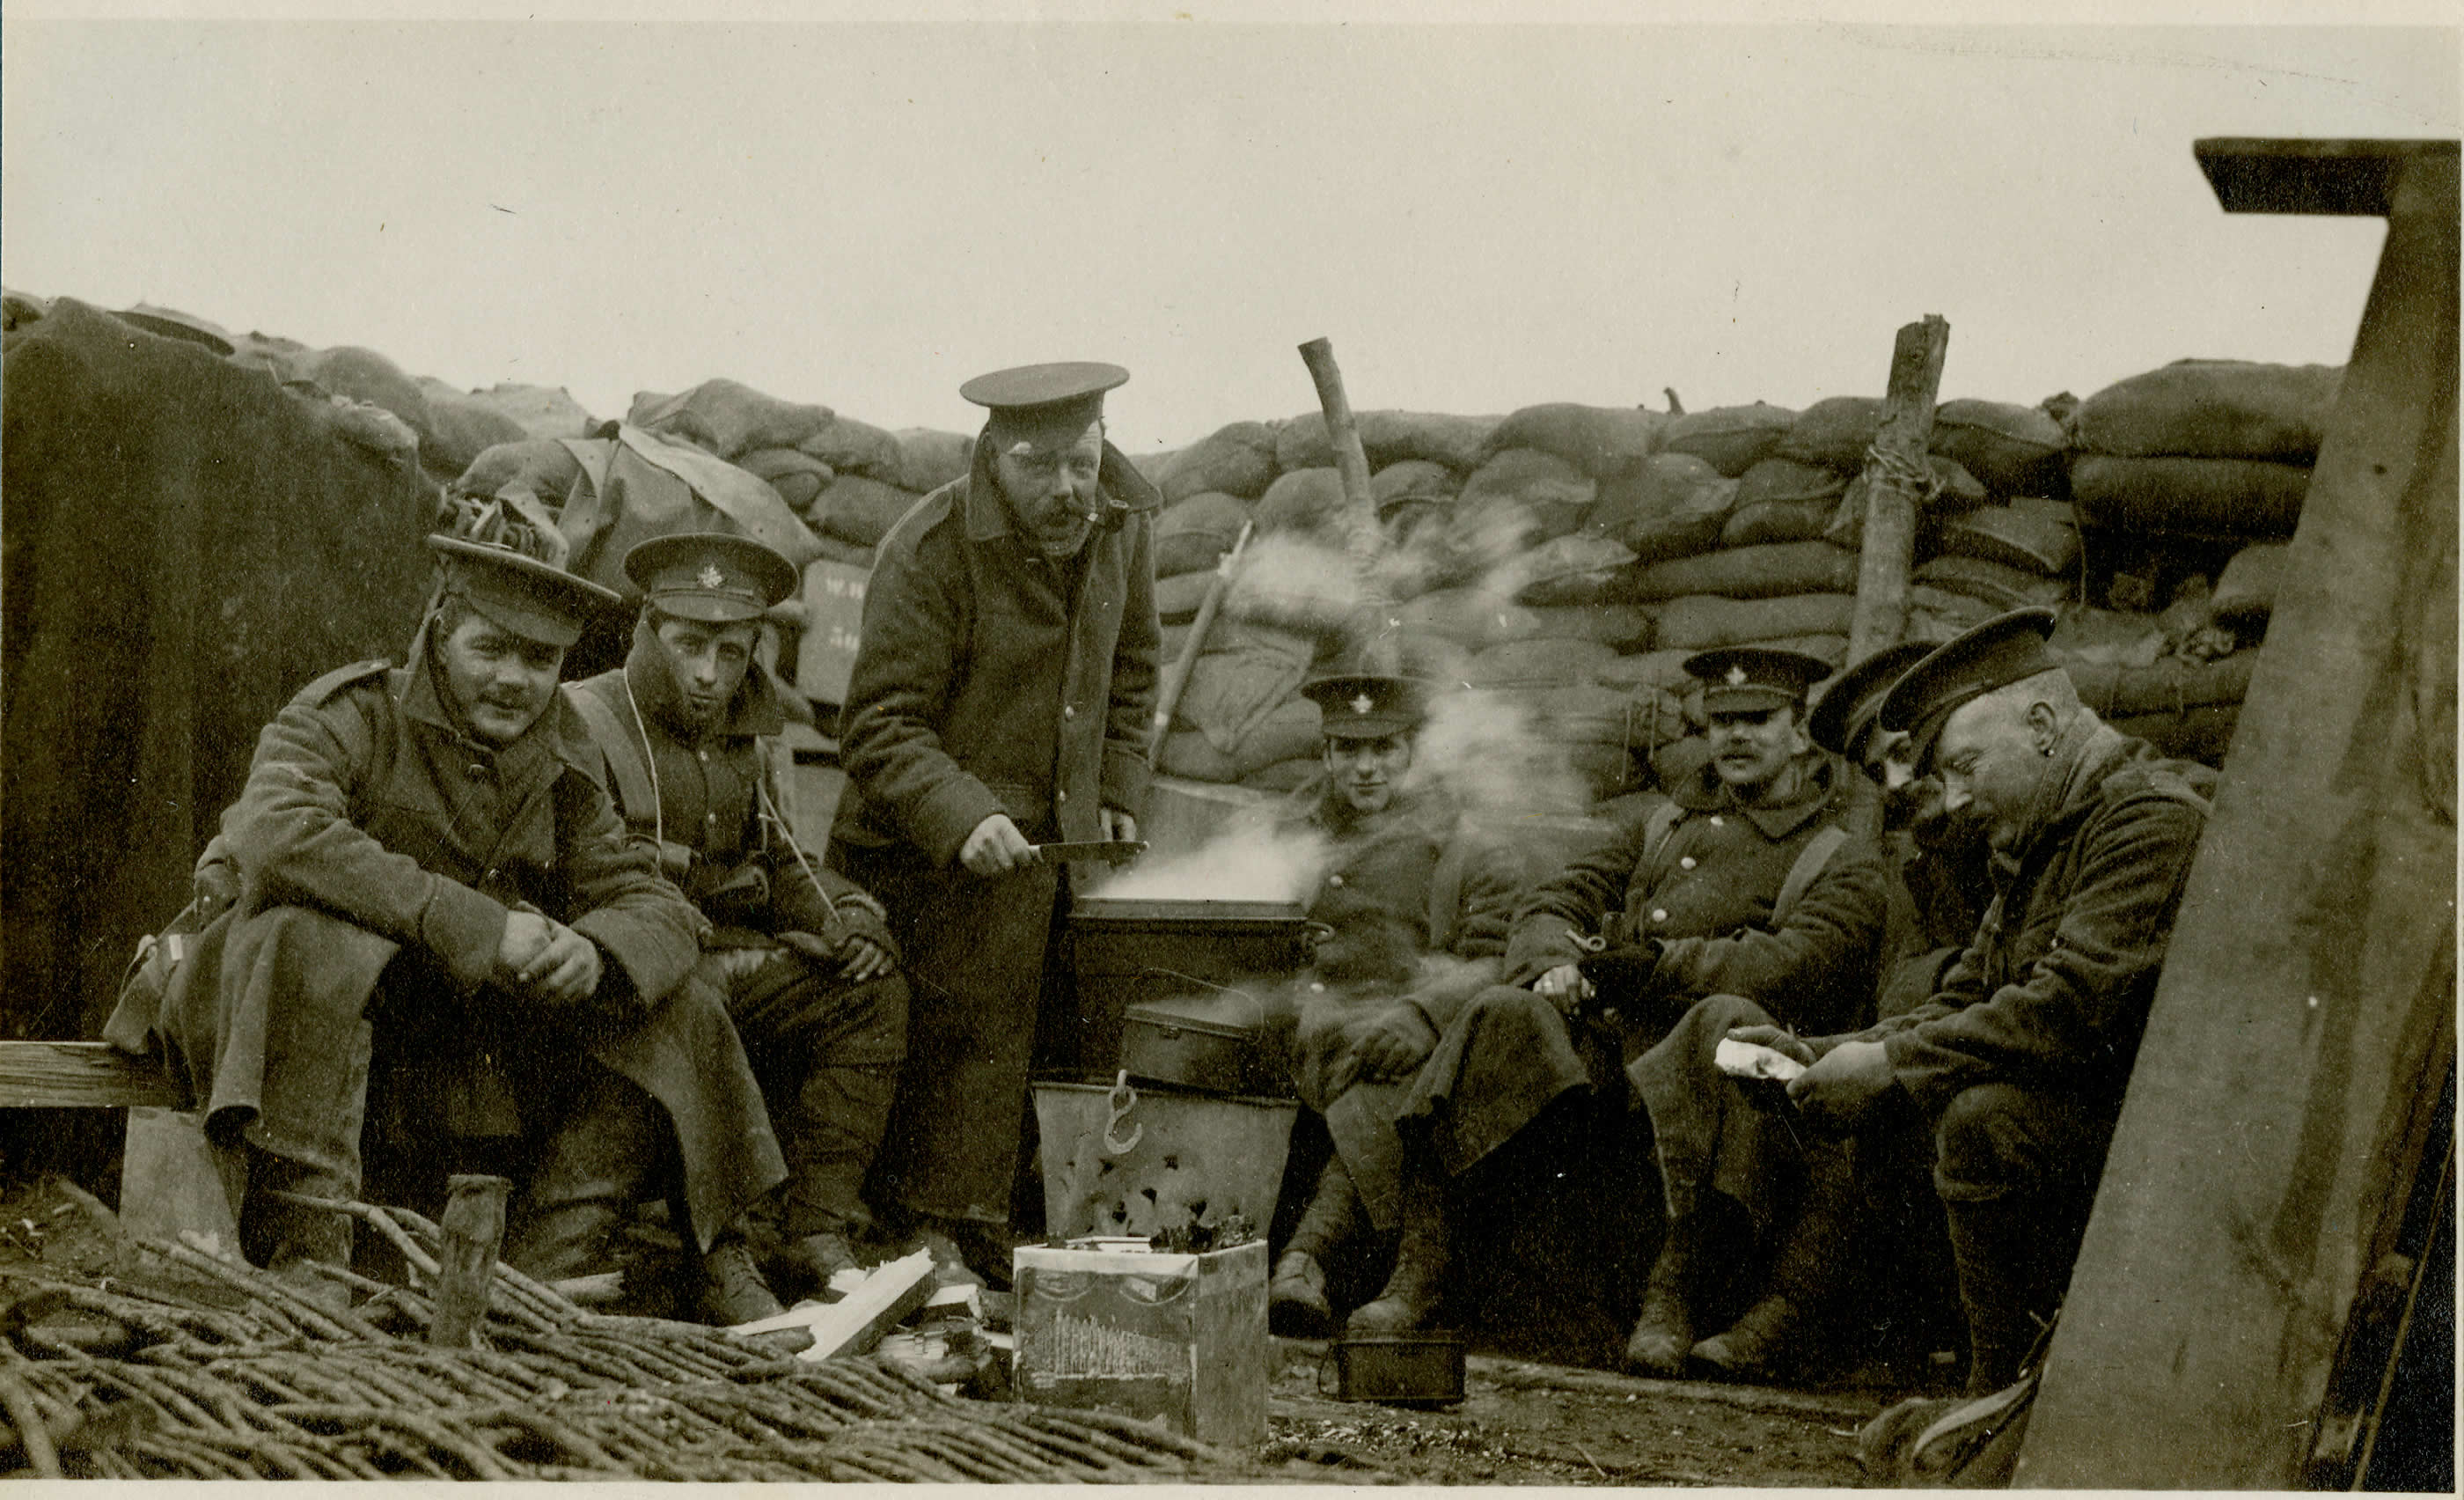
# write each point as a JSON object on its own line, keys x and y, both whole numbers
{"x": 2202, "y": 447}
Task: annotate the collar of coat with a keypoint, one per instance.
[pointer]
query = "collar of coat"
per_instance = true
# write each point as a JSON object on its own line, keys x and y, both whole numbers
{"x": 988, "y": 514}
{"x": 557, "y": 732}
{"x": 1706, "y": 792}
{"x": 2088, "y": 753}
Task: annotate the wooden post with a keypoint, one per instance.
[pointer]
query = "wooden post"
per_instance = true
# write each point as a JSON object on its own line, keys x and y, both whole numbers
{"x": 1881, "y": 614}
{"x": 1175, "y": 678}
{"x": 472, "y": 1229}
{"x": 1362, "y": 539}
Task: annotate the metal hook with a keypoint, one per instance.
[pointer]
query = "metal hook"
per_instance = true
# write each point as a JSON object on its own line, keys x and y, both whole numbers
{"x": 1123, "y": 1099}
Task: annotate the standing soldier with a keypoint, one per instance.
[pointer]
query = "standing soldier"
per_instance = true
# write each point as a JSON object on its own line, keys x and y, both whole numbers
{"x": 802, "y": 956}
{"x": 1000, "y": 698}
{"x": 1742, "y": 885}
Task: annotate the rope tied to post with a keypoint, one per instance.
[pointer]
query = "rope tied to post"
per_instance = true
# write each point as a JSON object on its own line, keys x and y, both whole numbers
{"x": 1916, "y": 480}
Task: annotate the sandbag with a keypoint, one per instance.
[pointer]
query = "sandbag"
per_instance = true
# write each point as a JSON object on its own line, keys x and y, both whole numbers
{"x": 1996, "y": 584}
{"x": 2188, "y": 496}
{"x": 1770, "y": 522}
{"x": 1303, "y": 500}
{"x": 1237, "y": 459}
{"x": 1622, "y": 626}
{"x": 2032, "y": 535}
{"x": 640, "y": 485}
{"x": 1599, "y": 441}
{"x": 1551, "y": 492}
{"x": 1681, "y": 761}
{"x": 1730, "y": 439}
{"x": 929, "y": 459}
{"x": 799, "y": 477}
{"x": 2162, "y": 687}
{"x": 1386, "y": 437}
{"x": 1289, "y": 733}
{"x": 2246, "y": 593}
{"x": 839, "y": 551}
{"x": 2107, "y": 637}
{"x": 859, "y": 509}
{"x": 542, "y": 466}
{"x": 2203, "y": 732}
{"x": 1543, "y": 663}
{"x": 1672, "y": 507}
{"x": 542, "y": 411}
{"x": 1289, "y": 581}
{"x": 460, "y": 428}
{"x": 1191, "y": 535}
{"x": 1699, "y": 622}
{"x": 1578, "y": 569}
{"x": 1764, "y": 572}
{"x": 1663, "y": 669}
{"x": 1427, "y": 656}
{"x": 728, "y": 417}
{"x": 1950, "y": 608}
{"x": 1478, "y": 618}
{"x": 2012, "y": 449}
{"x": 1787, "y": 480}
{"x": 1835, "y": 433}
{"x": 1178, "y": 598}
{"x": 1245, "y": 672}
{"x": 852, "y": 447}
{"x": 1414, "y": 479}
{"x": 2213, "y": 408}
{"x": 1585, "y": 713}
{"x": 1285, "y": 777}
{"x": 1826, "y": 647}
{"x": 1955, "y": 490}
{"x": 365, "y": 375}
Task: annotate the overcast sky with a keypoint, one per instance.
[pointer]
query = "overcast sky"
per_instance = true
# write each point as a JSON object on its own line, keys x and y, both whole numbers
{"x": 1479, "y": 217}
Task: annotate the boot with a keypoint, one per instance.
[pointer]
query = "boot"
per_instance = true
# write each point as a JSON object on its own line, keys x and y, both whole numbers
{"x": 731, "y": 1289}
{"x": 1296, "y": 1304}
{"x": 814, "y": 1258}
{"x": 1296, "y": 1300}
{"x": 1663, "y": 1335}
{"x": 1755, "y": 1347}
{"x": 290, "y": 1240}
{"x": 1995, "y": 1244}
{"x": 593, "y": 1169}
{"x": 1412, "y": 1293}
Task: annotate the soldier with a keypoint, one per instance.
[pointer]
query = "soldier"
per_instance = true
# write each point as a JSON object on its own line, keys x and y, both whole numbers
{"x": 440, "y": 929}
{"x": 802, "y": 957}
{"x": 1743, "y": 885}
{"x": 2017, "y": 1065}
{"x": 1000, "y": 699}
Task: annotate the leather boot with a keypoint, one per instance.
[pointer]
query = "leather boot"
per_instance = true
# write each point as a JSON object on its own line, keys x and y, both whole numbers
{"x": 1996, "y": 1246}
{"x": 813, "y": 1258}
{"x": 731, "y": 1289}
{"x": 1412, "y": 1293}
{"x": 1663, "y": 1335}
{"x": 291, "y": 1239}
{"x": 592, "y": 1171}
{"x": 1296, "y": 1300}
{"x": 1758, "y": 1343}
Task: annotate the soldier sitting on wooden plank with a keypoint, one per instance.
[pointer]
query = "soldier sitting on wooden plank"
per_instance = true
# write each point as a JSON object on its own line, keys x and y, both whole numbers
{"x": 1743, "y": 885}
{"x": 2015, "y": 1067}
{"x": 439, "y": 928}
{"x": 801, "y": 955}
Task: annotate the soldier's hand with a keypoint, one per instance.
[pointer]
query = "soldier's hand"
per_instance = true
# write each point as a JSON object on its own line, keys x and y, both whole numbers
{"x": 1784, "y": 1043}
{"x": 527, "y": 936}
{"x": 861, "y": 959}
{"x": 568, "y": 972}
{"x": 1844, "y": 1086}
{"x": 1564, "y": 987}
{"x": 1115, "y": 824}
{"x": 1395, "y": 1044}
{"x": 996, "y": 848}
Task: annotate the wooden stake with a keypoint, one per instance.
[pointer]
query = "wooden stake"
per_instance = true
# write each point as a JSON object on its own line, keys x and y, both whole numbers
{"x": 1882, "y": 615}
{"x": 472, "y": 1230}
{"x": 1363, "y": 540}
{"x": 1175, "y": 678}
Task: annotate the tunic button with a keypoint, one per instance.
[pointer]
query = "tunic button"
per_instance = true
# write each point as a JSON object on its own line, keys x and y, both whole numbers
{"x": 1716, "y": 822}
{"x": 705, "y": 756}
{"x": 477, "y": 771}
{"x": 1316, "y": 988}
{"x": 1334, "y": 880}
{"x": 1659, "y": 914}
{"x": 1069, "y": 711}
{"x": 1687, "y": 863}
{"x": 1060, "y": 796}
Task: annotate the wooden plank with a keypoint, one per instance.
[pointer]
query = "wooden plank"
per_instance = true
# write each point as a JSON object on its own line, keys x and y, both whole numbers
{"x": 2310, "y": 984}
{"x": 856, "y": 1323}
{"x": 1906, "y": 432}
{"x": 57, "y": 1075}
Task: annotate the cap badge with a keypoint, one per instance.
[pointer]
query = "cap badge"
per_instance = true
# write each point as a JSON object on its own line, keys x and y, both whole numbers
{"x": 1736, "y": 676}
{"x": 1363, "y": 704}
{"x": 710, "y": 577}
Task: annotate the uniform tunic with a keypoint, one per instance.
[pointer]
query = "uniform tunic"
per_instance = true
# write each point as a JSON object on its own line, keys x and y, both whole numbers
{"x": 826, "y": 1051}
{"x": 989, "y": 680}
{"x": 379, "y": 849}
{"x": 1707, "y": 895}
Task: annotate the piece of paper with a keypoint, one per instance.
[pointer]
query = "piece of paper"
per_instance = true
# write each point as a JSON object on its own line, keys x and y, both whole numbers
{"x": 1753, "y": 1060}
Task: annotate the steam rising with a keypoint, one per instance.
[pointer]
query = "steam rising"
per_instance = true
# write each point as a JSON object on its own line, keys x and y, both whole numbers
{"x": 1251, "y": 861}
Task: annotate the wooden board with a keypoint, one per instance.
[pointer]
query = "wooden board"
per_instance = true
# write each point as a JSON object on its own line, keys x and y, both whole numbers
{"x": 54, "y": 1075}
{"x": 2308, "y": 998}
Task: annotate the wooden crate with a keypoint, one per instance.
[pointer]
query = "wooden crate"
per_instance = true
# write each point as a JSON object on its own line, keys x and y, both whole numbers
{"x": 1182, "y": 1338}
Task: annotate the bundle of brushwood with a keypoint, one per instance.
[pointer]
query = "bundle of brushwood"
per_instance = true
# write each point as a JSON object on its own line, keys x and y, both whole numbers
{"x": 201, "y": 1367}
